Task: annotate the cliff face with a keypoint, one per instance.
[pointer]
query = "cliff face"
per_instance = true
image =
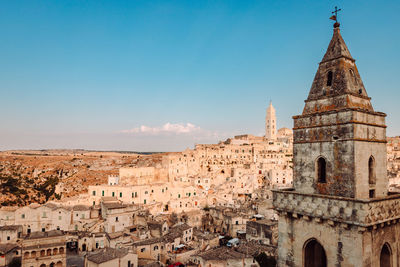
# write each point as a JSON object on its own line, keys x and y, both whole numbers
{"x": 37, "y": 176}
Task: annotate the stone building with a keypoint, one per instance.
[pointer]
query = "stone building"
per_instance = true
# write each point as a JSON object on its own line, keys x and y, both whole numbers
{"x": 9, "y": 254}
{"x": 340, "y": 212}
{"x": 109, "y": 257}
{"x": 270, "y": 123}
{"x": 223, "y": 256}
{"x": 44, "y": 249}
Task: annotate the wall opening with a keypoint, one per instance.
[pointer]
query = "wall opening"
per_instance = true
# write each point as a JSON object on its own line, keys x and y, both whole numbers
{"x": 353, "y": 76}
{"x": 371, "y": 170}
{"x": 321, "y": 170}
{"x": 314, "y": 254}
{"x": 386, "y": 256}
{"x": 329, "y": 78}
{"x": 371, "y": 193}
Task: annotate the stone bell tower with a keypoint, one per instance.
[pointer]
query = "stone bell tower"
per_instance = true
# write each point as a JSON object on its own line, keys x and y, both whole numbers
{"x": 270, "y": 123}
{"x": 339, "y": 212}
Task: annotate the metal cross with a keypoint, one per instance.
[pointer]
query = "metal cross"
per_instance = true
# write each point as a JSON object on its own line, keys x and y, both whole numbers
{"x": 336, "y": 11}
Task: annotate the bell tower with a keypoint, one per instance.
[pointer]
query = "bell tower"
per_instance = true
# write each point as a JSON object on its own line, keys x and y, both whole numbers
{"x": 339, "y": 212}
{"x": 339, "y": 140}
{"x": 270, "y": 123}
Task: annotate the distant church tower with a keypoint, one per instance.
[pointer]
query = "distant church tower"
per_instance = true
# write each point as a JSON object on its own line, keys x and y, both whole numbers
{"x": 339, "y": 212}
{"x": 270, "y": 123}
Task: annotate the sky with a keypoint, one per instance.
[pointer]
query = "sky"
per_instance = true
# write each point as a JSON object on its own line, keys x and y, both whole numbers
{"x": 166, "y": 75}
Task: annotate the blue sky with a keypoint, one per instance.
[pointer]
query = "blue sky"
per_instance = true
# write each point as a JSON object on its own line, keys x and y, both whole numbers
{"x": 164, "y": 75}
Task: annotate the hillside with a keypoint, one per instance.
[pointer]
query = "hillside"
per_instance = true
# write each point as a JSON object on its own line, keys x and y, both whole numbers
{"x": 37, "y": 176}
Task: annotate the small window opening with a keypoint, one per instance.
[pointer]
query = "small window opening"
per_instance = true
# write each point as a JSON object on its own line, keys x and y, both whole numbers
{"x": 371, "y": 193}
{"x": 371, "y": 170}
{"x": 353, "y": 76}
{"x": 360, "y": 91}
{"x": 321, "y": 168}
{"x": 329, "y": 78}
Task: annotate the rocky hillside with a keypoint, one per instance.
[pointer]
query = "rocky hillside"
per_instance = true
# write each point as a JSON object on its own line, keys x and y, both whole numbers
{"x": 37, "y": 176}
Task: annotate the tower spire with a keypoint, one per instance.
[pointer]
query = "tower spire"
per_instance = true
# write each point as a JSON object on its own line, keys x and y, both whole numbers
{"x": 337, "y": 83}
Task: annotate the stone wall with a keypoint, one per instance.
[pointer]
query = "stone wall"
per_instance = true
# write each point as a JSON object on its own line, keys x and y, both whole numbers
{"x": 350, "y": 211}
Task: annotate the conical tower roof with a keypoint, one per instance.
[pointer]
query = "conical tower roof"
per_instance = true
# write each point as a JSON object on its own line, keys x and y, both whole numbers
{"x": 337, "y": 47}
{"x": 337, "y": 83}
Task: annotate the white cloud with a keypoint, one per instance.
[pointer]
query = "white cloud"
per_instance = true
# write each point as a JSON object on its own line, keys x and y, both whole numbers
{"x": 166, "y": 129}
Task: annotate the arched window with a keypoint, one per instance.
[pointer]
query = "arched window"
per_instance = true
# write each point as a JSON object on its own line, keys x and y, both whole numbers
{"x": 329, "y": 78}
{"x": 371, "y": 170}
{"x": 321, "y": 170}
{"x": 353, "y": 76}
{"x": 314, "y": 254}
{"x": 386, "y": 256}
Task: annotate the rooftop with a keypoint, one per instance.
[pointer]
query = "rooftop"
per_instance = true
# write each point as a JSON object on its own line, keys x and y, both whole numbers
{"x": 37, "y": 235}
{"x": 5, "y": 248}
{"x": 106, "y": 254}
{"x": 221, "y": 253}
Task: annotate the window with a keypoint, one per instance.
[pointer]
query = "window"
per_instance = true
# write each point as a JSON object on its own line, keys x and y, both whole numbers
{"x": 120, "y": 194}
{"x": 23, "y": 216}
{"x": 94, "y": 193}
{"x": 102, "y": 193}
{"x": 44, "y": 215}
{"x": 116, "y": 219}
{"x": 113, "y": 194}
{"x": 329, "y": 78}
{"x": 237, "y": 222}
{"x": 142, "y": 249}
{"x": 144, "y": 201}
{"x": 8, "y": 238}
{"x": 372, "y": 193}
{"x": 155, "y": 247}
{"x": 321, "y": 170}
{"x": 353, "y": 76}
{"x": 59, "y": 218}
{"x": 43, "y": 230}
{"x": 371, "y": 170}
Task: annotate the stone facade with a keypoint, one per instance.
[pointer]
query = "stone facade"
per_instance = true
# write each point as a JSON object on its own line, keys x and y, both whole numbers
{"x": 339, "y": 212}
{"x": 43, "y": 249}
{"x": 270, "y": 123}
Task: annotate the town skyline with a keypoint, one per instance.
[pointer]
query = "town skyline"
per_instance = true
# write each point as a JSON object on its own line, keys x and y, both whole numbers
{"x": 109, "y": 77}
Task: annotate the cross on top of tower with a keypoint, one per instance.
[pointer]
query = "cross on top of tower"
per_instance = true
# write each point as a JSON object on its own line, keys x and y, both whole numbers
{"x": 335, "y": 16}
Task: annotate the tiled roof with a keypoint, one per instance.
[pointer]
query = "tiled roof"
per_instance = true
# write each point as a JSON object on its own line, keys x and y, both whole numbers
{"x": 106, "y": 254}
{"x": 53, "y": 233}
{"x": 221, "y": 253}
{"x": 5, "y": 248}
